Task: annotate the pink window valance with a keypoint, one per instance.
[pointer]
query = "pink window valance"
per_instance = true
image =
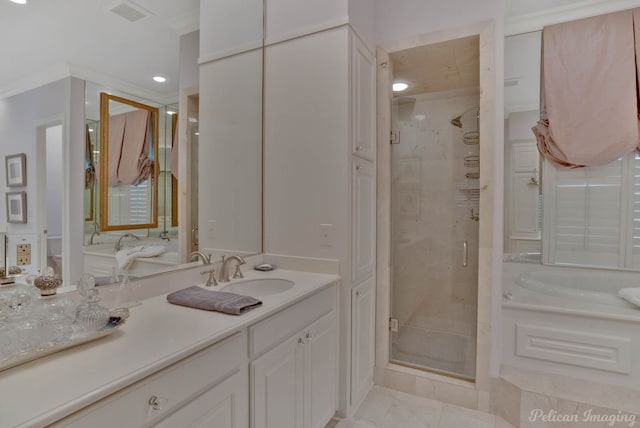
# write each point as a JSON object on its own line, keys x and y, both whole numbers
{"x": 129, "y": 163}
{"x": 589, "y": 99}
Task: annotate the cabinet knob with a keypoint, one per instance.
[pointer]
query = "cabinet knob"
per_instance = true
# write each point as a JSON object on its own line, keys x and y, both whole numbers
{"x": 155, "y": 403}
{"x": 357, "y": 294}
{"x": 357, "y": 167}
{"x": 358, "y": 148}
{"x": 300, "y": 341}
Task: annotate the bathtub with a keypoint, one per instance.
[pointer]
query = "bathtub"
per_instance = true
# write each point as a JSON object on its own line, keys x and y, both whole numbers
{"x": 570, "y": 321}
{"x": 571, "y": 288}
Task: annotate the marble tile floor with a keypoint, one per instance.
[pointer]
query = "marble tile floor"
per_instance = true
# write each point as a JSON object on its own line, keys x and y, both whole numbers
{"x": 386, "y": 408}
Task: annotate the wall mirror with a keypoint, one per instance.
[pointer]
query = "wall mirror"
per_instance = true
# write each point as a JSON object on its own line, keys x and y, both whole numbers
{"x": 123, "y": 58}
{"x": 129, "y": 164}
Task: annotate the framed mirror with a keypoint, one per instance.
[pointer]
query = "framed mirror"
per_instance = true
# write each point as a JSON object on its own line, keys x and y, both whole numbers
{"x": 129, "y": 164}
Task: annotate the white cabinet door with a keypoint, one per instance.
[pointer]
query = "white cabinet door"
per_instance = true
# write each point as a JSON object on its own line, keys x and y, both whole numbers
{"x": 320, "y": 355}
{"x": 277, "y": 386}
{"x": 363, "y": 98}
{"x": 363, "y": 301}
{"x": 226, "y": 405}
{"x": 363, "y": 220}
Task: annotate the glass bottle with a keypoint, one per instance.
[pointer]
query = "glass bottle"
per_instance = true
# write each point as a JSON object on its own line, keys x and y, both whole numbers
{"x": 90, "y": 315}
{"x": 55, "y": 314}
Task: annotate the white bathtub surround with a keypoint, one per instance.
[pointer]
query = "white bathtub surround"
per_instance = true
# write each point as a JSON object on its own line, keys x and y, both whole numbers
{"x": 632, "y": 295}
{"x": 386, "y": 408}
{"x": 75, "y": 378}
{"x": 519, "y": 392}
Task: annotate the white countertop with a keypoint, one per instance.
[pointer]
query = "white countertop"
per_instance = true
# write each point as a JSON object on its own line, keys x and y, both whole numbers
{"x": 156, "y": 335}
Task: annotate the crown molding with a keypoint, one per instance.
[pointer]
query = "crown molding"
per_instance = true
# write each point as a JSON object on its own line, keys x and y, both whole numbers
{"x": 35, "y": 80}
{"x": 123, "y": 86}
{"x": 538, "y": 20}
{"x": 186, "y": 22}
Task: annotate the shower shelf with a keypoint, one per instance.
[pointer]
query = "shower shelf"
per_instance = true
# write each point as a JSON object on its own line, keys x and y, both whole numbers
{"x": 472, "y": 175}
{"x": 472, "y": 161}
{"x": 471, "y": 138}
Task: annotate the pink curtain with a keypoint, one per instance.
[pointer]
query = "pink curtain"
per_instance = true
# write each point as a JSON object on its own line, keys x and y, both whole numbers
{"x": 116, "y": 137}
{"x": 589, "y": 113}
{"x": 133, "y": 146}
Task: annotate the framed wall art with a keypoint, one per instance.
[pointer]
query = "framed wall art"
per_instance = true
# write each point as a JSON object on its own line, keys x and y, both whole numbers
{"x": 16, "y": 170}
{"x": 16, "y": 207}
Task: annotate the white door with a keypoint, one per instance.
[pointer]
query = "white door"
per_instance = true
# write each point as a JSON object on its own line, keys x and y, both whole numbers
{"x": 363, "y": 219}
{"x": 363, "y": 303}
{"x": 277, "y": 386}
{"x": 363, "y": 100}
{"x": 320, "y": 354}
{"x": 226, "y": 405}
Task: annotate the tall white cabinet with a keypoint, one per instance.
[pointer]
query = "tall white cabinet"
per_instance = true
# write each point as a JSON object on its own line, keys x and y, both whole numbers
{"x": 319, "y": 183}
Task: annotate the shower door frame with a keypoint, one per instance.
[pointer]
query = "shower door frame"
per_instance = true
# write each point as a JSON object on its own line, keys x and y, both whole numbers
{"x": 490, "y": 211}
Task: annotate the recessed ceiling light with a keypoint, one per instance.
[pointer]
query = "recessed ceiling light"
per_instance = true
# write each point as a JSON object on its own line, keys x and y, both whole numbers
{"x": 159, "y": 79}
{"x": 169, "y": 112}
{"x": 399, "y": 86}
{"x": 20, "y": 1}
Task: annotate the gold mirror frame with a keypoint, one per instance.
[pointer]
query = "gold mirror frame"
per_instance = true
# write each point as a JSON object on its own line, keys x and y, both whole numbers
{"x": 104, "y": 163}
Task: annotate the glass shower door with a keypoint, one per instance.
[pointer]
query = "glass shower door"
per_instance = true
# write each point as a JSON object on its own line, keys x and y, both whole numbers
{"x": 434, "y": 230}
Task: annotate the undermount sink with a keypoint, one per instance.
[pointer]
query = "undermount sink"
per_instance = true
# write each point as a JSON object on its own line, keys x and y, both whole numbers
{"x": 259, "y": 287}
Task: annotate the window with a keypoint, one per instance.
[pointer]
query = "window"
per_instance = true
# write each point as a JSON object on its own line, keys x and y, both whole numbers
{"x": 592, "y": 215}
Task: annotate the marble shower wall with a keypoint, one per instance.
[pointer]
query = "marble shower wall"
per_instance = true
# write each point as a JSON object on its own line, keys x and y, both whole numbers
{"x": 431, "y": 214}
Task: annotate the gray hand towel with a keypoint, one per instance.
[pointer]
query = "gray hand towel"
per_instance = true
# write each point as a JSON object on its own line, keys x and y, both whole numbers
{"x": 210, "y": 300}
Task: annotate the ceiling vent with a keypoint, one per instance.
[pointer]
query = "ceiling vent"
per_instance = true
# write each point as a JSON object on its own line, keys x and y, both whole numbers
{"x": 128, "y": 10}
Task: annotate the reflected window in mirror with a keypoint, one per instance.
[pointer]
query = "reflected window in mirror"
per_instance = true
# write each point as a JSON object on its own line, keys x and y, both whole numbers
{"x": 129, "y": 164}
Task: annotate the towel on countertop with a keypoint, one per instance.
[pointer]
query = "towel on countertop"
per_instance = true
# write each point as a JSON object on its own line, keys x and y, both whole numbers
{"x": 211, "y": 300}
{"x": 125, "y": 257}
{"x": 631, "y": 295}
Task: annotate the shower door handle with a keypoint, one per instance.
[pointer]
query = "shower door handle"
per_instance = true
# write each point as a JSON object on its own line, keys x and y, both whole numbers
{"x": 465, "y": 254}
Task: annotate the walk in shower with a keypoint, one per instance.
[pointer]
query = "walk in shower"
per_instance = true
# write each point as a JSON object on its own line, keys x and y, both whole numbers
{"x": 435, "y": 171}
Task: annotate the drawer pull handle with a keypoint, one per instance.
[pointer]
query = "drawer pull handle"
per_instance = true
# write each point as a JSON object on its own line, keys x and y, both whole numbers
{"x": 155, "y": 403}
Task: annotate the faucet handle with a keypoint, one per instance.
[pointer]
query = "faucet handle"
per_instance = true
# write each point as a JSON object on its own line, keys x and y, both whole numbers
{"x": 212, "y": 278}
{"x": 238, "y": 272}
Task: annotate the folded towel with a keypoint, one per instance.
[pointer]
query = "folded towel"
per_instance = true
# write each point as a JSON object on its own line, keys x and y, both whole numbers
{"x": 631, "y": 295}
{"x": 125, "y": 257}
{"x": 210, "y": 300}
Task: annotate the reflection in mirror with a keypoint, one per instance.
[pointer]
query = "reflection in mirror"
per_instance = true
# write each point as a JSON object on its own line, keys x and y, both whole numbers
{"x": 129, "y": 166}
{"x": 523, "y": 207}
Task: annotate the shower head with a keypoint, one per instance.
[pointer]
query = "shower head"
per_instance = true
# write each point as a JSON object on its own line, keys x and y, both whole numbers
{"x": 457, "y": 121}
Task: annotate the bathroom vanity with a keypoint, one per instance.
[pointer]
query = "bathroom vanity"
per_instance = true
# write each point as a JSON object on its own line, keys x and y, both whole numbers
{"x": 275, "y": 366}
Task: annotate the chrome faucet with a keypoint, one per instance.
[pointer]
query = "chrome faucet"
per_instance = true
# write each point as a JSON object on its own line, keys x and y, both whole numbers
{"x": 199, "y": 254}
{"x": 224, "y": 268}
{"x": 93, "y": 235}
{"x": 118, "y": 246}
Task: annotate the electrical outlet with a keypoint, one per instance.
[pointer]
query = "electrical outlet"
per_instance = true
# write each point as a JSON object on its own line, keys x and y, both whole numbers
{"x": 23, "y": 254}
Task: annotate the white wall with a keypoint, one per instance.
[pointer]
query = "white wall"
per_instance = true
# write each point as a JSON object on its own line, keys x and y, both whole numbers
{"x": 54, "y": 180}
{"x": 397, "y": 19}
{"x": 189, "y": 51}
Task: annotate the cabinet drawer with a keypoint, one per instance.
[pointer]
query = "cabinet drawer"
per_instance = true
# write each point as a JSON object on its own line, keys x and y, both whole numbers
{"x": 275, "y": 329}
{"x": 172, "y": 388}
